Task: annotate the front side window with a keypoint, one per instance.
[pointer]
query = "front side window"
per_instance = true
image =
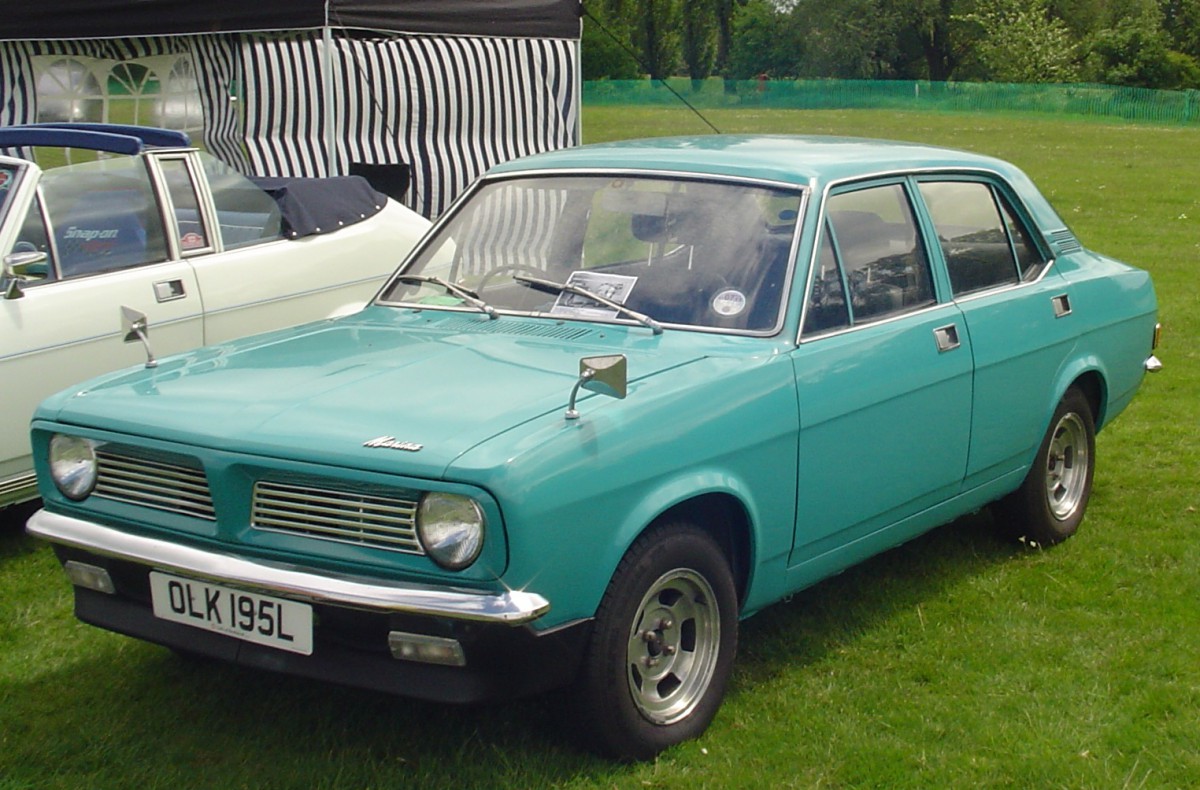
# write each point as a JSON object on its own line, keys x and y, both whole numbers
{"x": 686, "y": 252}
{"x": 871, "y": 250}
{"x": 8, "y": 182}
{"x": 104, "y": 216}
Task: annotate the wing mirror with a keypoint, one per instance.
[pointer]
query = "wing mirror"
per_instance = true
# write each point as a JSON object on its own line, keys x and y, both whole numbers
{"x": 22, "y": 267}
{"x": 136, "y": 327}
{"x": 607, "y": 375}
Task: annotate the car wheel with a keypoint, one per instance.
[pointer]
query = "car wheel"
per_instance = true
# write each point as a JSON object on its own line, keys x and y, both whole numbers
{"x": 662, "y": 645}
{"x": 1050, "y": 503}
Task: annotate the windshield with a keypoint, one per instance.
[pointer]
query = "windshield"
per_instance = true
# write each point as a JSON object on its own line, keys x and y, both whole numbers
{"x": 680, "y": 251}
{"x": 8, "y": 180}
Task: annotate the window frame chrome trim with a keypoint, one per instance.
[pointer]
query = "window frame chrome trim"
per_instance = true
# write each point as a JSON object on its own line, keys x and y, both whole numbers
{"x": 967, "y": 173}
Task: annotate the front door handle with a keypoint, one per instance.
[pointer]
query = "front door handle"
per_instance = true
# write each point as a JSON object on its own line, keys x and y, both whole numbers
{"x": 169, "y": 290}
{"x": 946, "y": 337}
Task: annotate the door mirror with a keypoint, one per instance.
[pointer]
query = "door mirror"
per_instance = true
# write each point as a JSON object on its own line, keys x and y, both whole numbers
{"x": 607, "y": 375}
{"x": 136, "y": 327}
{"x": 23, "y": 267}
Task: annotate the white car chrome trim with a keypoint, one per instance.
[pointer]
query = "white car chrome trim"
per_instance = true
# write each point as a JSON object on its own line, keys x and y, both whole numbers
{"x": 513, "y": 607}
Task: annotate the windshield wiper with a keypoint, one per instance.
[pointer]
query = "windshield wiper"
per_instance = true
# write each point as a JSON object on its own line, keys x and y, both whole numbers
{"x": 550, "y": 285}
{"x": 466, "y": 294}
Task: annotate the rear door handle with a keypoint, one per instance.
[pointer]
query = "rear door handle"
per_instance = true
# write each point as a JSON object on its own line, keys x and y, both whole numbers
{"x": 169, "y": 290}
{"x": 946, "y": 337}
{"x": 1062, "y": 305}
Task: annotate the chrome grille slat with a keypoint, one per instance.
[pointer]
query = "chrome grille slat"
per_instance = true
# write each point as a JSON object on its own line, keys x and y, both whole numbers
{"x": 158, "y": 478}
{"x": 279, "y": 516}
{"x": 155, "y": 484}
{"x": 346, "y": 516}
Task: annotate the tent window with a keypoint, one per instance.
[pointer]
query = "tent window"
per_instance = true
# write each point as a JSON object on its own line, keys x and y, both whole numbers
{"x": 157, "y": 90}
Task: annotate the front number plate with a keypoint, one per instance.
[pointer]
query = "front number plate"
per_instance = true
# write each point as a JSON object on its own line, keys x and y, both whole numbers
{"x": 274, "y": 622}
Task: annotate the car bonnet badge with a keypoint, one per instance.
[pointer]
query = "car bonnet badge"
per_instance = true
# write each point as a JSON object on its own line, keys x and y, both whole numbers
{"x": 392, "y": 443}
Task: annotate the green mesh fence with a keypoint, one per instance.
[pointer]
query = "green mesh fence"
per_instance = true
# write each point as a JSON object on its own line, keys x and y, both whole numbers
{"x": 1096, "y": 101}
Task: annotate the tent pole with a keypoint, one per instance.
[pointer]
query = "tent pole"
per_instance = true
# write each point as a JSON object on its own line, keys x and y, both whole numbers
{"x": 327, "y": 93}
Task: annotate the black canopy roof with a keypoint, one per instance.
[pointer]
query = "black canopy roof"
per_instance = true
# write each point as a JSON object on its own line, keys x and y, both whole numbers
{"x": 74, "y": 19}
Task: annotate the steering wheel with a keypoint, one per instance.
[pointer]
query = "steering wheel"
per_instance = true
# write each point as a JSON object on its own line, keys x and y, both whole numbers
{"x": 511, "y": 268}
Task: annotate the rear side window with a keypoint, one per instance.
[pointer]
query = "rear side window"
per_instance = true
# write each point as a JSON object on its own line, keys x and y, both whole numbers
{"x": 870, "y": 250}
{"x": 984, "y": 244}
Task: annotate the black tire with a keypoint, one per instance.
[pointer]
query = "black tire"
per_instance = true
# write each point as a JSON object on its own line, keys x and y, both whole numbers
{"x": 1050, "y": 503}
{"x": 662, "y": 645}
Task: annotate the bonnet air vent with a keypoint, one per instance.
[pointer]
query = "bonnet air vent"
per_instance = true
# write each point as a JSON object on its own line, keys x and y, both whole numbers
{"x": 1064, "y": 242}
{"x": 481, "y": 326}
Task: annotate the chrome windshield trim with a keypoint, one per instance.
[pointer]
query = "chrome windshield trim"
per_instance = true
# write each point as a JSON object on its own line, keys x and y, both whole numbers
{"x": 513, "y": 607}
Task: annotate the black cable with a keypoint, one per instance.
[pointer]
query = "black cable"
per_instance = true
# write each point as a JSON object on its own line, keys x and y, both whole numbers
{"x": 630, "y": 52}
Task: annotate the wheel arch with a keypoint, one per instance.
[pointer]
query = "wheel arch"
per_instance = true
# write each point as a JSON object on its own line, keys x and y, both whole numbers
{"x": 1087, "y": 375}
{"x": 725, "y": 518}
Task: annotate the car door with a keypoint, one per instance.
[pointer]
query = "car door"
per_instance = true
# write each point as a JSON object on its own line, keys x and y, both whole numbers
{"x": 1018, "y": 314}
{"x": 96, "y": 225}
{"x": 883, "y": 373}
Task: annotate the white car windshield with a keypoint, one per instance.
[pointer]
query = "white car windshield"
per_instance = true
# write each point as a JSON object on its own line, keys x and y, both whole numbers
{"x": 678, "y": 251}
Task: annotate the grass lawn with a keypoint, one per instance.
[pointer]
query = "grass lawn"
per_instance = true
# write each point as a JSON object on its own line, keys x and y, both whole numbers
{"x": 957, "y": 660}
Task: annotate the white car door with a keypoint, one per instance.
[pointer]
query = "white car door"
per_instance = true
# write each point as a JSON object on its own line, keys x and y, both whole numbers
{"x": 67, "y": 326}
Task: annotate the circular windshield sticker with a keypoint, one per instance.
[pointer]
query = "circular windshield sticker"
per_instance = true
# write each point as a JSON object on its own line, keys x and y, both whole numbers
{"x": 729, "y": 302}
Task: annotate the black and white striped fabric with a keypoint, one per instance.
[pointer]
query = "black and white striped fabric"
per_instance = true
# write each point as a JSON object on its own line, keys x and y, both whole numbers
{"x": 448, "y": 106}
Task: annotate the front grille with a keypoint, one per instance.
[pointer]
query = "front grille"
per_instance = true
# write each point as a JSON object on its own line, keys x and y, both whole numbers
{"x": 154, "y": 483}
{"x": 381, "y": 521}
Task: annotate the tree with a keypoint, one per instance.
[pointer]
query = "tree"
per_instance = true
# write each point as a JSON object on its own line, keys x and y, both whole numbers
{"x": 1019, "y": 42}
{"x": 699, "y": 38}
{"x": 764, "y": 42}
{"x": 606, "y": 50}
{"x": 853, "y": 39}
{"x": 1136, "y": 51}
{"x": 656, "y": 34}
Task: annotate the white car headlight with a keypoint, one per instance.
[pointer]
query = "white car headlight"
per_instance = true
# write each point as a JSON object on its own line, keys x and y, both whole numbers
{"x": 451, "y": 528}
{"x": 73, "y": 465}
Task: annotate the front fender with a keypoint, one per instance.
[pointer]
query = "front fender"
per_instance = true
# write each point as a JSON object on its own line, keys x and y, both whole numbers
{"x": 576, "y": 494}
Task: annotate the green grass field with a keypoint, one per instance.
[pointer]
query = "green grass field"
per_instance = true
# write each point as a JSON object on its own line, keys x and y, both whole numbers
{"x": 956, "y": 661}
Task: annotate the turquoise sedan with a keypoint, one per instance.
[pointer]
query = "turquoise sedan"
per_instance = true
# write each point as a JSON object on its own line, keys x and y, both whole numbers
{"x": 620, "y": 398}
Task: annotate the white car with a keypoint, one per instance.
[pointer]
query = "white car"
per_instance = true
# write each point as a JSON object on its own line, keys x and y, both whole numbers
{"x": 155, "y": 234}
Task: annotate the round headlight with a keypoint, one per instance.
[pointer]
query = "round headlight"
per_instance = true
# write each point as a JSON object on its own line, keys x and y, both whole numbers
{"x": 72, "y": 465}
{"x": 451, "y": 529}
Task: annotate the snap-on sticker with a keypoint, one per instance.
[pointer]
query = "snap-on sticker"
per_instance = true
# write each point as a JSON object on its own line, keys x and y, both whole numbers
{"x": 729, "y": 302}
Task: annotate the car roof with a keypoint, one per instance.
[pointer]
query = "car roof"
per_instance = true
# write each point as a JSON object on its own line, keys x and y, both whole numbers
{"x": 112, "y": 138}
{"x": 787, "y": 158}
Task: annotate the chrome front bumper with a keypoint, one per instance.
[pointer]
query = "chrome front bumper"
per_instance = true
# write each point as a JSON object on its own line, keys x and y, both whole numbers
{"x": 513, "y": 607}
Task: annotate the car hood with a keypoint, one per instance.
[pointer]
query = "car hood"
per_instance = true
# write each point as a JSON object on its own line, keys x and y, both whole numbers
{"x": 386, "y": 390}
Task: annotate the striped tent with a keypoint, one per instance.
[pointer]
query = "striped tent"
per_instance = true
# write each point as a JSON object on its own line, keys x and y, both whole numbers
{"x": 312, "y": 87}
